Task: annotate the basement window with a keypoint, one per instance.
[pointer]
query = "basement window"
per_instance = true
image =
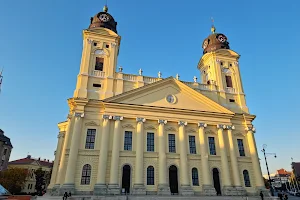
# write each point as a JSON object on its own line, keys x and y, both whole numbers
{"x": 97, "y": 85}
{"x": 231, "y": 100}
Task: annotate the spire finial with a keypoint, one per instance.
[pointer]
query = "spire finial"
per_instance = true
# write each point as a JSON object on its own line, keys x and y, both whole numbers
{"x": 105, "y": 8}
{"x": 213, "y": 28}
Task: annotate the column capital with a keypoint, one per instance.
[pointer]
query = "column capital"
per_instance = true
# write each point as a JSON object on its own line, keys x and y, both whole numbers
{"x": 162, "y": 121}
{"x": 230, "y": 127}
{"x": 140, "y": 120}
{"x": 61, "y": 134}
{"x": 182, "y": 123}
{"x": 69, "y": 116}
{"x": 221, "y": 126}
{"x": 249, "y": 128}
{"x": 78, "y": 114}
{"x": 118, "y": 118}
{"x": 202, "y": 125}
{"x": 106, "y": 117}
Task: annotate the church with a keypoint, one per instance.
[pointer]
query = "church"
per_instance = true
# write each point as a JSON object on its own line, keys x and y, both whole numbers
{"x": 141, "y": 135}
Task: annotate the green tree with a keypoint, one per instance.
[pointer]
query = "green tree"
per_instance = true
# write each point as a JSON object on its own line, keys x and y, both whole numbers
{"x": 48, "y": 177}
{"x": 13, "y": 179}
{"x": 40, "y": 180}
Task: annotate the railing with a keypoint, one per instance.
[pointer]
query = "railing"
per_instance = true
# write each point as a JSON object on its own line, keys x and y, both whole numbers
{"x": 150, "y": 79}
{"x": 230, "y": 90}
{"x": 98, "y": 73}
{"x": 129, "y": 77}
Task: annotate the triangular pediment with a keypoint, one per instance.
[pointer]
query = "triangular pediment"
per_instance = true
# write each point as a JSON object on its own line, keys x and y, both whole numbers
{"x": 156, "y": 95}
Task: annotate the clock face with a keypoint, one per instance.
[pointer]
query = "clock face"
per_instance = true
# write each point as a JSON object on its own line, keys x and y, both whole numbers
{"x": 205, "y": 43}
{"x": 222, "y": 38}
{"x": 171, "y": 98}
{"x": 104, "y": 17}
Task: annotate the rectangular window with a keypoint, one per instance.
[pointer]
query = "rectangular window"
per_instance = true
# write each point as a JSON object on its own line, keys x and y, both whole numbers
{"x": 90, "y": 139}
{"x": 212, "y": 146}
{"x": 2, "y": 163}
{"x": 5, "y": 151}
{"x": 128, "y": 141}
{"x": 172, "y": 147}
{"x": 228, "y": 81}
{"x": 28, "y": 186}
{"x": 192, "y": 144}
{"x": 99, "y": 64}
{"x": 150, "y": 141}
{"x": 241, "y": 147}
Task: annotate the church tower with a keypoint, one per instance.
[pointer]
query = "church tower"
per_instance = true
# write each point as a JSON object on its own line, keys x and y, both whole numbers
{"x": 101, "y": 45}
{"x": 219, "y": 66}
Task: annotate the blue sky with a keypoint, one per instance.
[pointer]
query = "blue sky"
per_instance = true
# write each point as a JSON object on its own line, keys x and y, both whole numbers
{"x": 41, "y": 43}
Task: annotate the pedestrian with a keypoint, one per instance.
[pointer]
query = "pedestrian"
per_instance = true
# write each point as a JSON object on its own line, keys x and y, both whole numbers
{"x": 65, "y": 196}
{"x": 261, "y": 195}
{"x": 70, "y": 194}
{"x": 286, "y": 196}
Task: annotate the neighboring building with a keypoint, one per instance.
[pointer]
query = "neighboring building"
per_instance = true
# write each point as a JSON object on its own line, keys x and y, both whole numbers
{"x": 280, "y": 178}
{"x": 31, "y": 164}
{"x": 154, "y": 135}
{"x": 296, "y": 170}
{"x": 5, "y": 150}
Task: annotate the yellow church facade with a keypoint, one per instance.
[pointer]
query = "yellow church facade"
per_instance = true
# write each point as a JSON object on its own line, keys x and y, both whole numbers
{"x": 145, "y": 135}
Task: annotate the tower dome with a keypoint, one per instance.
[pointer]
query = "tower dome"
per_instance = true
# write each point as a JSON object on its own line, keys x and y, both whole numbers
{"x": 103, "y": 19}
{"x": 214, "y": 42}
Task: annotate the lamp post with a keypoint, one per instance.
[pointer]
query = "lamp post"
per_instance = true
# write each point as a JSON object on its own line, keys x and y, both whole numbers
{"x": 265, "y": 155}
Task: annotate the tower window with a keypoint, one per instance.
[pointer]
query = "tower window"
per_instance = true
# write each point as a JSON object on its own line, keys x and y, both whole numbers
{"x": 95, "y": 43}
{"x": 230, "y": 65}
{"x": 97, "y": 85}
{"x": 107, "y": 46}
{"x": 221, "y": 63}
{"x": 228, "y": 81}
{"x": 231, "y": 100}
{"x": 99, "y": 64}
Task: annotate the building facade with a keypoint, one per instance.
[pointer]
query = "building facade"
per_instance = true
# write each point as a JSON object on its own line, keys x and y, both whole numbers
{"x": 5, "y": 150}
{"x": 31, "y": 165}
{"x": 137, "y": 134}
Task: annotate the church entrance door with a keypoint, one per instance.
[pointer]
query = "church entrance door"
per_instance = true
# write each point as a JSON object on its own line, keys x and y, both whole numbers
{"x": 216, "y": 178}
{"x": 173, "y": 179}
{"x": 126, "y": 178}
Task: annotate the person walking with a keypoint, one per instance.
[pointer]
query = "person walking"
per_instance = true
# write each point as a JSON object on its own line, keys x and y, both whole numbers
{"x": 65, "y": 196}
{"x": 261, "y": 195}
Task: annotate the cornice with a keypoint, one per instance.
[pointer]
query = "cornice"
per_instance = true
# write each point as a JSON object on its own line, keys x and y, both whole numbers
{"x": 105, "y": 32}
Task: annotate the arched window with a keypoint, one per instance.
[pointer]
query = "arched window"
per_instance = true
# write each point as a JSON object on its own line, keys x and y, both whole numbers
{"x": 195, "y": 178}
{"x": 86, "y": 174}
{"x": 150, "y": 175}
{"x": 246, "y": 178}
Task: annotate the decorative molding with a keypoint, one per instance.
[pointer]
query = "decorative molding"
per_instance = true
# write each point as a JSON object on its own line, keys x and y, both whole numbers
{"x": 128, "y": 126}
{"x": 118, "y": 118}
{"x": 76, "y": 114}
{"x": 100, "y": 52}
{"x": 239, "y": 134}
{"x": 107, "y": 117}
{"x": 150, "y": 127}
{"x": 230, "y": 127}
{"x": 91, "y": 123}
{"x": 61, "y": 134}
{"x": 182, "y": 123}
{"x": 191, "y": 130}
{"x": 140, "y": 119}
{"x": 221, "y": 126}
{"x": 252, "y": 129}
{"x": 89, "y": 41}
{"x": 170, "y": 129}
{"x": 210, "y": 132}
{"x": 69, "y": 116}
{"x": 162, "y": 121}
{"x": 113, "y": 44}
{"x": 218, "y": 61}
{"x": 90, "y": 152}
{"x": 226, "y": 70}
{"x": 236, "y": 63}
{"x": 202, "y": 125}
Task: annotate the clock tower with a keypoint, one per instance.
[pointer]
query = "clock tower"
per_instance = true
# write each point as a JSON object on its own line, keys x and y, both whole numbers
{"x": 101, "y": 45}
{"x": 219, "y": 67}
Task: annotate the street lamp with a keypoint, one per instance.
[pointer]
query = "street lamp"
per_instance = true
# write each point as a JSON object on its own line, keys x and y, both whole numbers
{"x": 265, "y": 155}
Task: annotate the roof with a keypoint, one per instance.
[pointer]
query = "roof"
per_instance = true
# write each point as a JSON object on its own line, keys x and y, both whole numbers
{"x": 29, "y": 160}
{"x": 283, "y": 172}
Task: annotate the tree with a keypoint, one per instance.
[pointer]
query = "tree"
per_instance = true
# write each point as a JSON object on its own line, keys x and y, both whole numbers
{"x": 40, "y": 180}
{"x": 48, "y": 178}
{"x": 13, "y": 179}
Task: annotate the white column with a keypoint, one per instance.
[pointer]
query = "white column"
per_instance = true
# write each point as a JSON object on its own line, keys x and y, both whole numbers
{"x": 254, "y": 157}
{"x": 73, "y": 154}
{"x": 58, "y": 151}
{"x": 226, "y": 180}
{"x": 206, "y": 175}
{"x": 183, "y": 155}
{"x": 139, "y": 187}
{"x": 100, "y": 186}
{"x": 113, "y": 187}
{"x": 163, "y": 186}
{"x": 233, "y": 158}
{"x": 61, "y": 168}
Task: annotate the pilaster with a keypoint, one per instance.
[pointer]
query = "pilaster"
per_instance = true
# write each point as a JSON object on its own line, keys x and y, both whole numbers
{"x": 100, "y": 187}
